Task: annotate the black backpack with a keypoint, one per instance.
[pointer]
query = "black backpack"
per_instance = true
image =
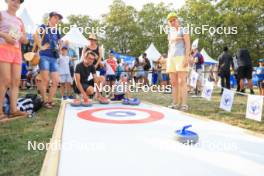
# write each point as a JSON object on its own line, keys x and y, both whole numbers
{"x": 36, "y": 100}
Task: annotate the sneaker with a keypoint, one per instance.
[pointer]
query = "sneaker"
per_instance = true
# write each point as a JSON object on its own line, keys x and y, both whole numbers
{"x": 71, "y": 97}
{"x": 64, "y": 97}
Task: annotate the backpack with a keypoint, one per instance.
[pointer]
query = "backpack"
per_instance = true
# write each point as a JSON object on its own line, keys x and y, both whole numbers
{"x": 201, "y": 60}
{"x": 36, "y": 100}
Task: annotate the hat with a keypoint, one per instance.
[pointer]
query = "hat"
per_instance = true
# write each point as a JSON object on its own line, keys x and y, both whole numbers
{"x": 51, "y": 14}
{"x": 21, "y": 1}
{"x": 65, "y": 47}
{"x": 261, "y": 60}
{"x": 171, "y": 15}
{"x": 92, "y": 37}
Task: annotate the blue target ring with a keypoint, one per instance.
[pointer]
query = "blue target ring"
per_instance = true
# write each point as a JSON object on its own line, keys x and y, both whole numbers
{"x": 121, "y": 114}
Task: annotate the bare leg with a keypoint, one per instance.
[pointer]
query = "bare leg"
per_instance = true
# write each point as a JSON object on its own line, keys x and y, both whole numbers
{"x": 183, "y": 87}
{"x": 55, "y": 81}
{"x": 173, "y": 79}
{"x": 44, "y": 84}
{"x": 15, "y": 81}
{"x": 5, "y": 79}
{"x": 62, "y": 89}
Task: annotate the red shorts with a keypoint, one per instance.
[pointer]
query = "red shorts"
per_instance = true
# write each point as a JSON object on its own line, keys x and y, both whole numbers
{"x": 10, "y": 54}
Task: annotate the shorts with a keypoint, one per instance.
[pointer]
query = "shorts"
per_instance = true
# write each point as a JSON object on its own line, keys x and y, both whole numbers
{"x": 175, "y": 64}
{"x": 65, "y": 78}
{"x": 110, "y": 77}
{"x": 146, "y": 74}
{"x": 10, "y": 54}
{"x": 48, "y": 64}
{"x": 165, "y": 77}
{"x": 84, "y": 86}
{"x": 23, "y": 77}
{"x": 200, "y": 75}
{"x": 140, "y": 74}
{"x": 245, "y": 72}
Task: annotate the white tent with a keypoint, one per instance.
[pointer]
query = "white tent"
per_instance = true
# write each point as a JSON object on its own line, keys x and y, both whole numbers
{"x": 207, "y": 59}
{"x": 76, "y": 38}
{"x": 30, "y": 26}
{"x": 152, "y": 53}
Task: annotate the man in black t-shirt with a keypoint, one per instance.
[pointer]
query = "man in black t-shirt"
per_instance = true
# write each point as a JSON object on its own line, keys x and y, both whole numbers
{"x": 85, "y": 78}
{"x": 245, "y": 69}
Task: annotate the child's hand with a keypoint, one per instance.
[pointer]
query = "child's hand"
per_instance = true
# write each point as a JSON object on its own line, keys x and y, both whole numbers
{"x": 9, "y": 39}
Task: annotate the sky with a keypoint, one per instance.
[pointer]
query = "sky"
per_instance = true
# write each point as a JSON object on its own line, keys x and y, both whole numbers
{"x": 94, "y": 9}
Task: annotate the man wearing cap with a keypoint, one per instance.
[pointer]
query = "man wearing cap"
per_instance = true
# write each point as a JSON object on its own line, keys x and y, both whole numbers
{"x": 178, "y": 61}
{"x": 49, "y": 43}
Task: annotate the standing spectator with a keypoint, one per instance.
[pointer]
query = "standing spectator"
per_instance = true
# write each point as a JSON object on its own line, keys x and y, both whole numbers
{"x": 139, "y": 69}
{"x": 245, "y": 69}
{"x": 147, "y": 67}
{"x": 119, "y": 69}
{"x": 164, "y": 76}
{"x": 178, "y": 61}
{"x": 24, "y": 72}
{"x": 198, "y": 66}
{"x": 12, "y": 35}
{"x": 260, "y": 76}
{"x": 73, "y": 57}
{"x": 49, "y": 54}
{"x": 110, "y": 67}
{"x": 65, "y": 74}
{"x": 236, "y": 72}
{"x": 225, "y": 63}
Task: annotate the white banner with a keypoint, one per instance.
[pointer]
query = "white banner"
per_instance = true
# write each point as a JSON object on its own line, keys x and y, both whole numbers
{"x": 227, "y": 100}
{"x": 208, "y": 90}
{"x": 193, "y": 78}
{"x": 254, "y": 107}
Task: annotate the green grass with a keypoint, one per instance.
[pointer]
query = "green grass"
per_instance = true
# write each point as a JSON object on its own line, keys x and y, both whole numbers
{"x": 15, "y": 159}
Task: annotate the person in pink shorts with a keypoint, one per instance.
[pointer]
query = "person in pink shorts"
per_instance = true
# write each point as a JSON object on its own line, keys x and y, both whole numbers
{"x": 12, "y": 34}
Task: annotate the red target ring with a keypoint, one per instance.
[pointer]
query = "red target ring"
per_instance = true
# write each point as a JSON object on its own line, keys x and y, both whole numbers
{"x": 153, "y": 116}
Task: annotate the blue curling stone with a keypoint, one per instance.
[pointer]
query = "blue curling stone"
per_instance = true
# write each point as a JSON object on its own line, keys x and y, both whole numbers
{"x": 186, "y": 137}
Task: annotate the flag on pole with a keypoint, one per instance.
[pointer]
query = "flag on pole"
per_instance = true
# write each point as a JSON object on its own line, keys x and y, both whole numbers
{"x": 193, "y": 78}
{"x": 227, "y": 100}
{"x": 208, "y": 90}
{"x": 254, "y": 107}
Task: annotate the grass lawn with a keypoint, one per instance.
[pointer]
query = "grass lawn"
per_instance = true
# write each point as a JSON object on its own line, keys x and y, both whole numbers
{"x": 15, "y": 159}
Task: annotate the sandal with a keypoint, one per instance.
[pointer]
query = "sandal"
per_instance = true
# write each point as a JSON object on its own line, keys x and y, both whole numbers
{"x": 18, "y": 114}
{"x": 52, "y": 104}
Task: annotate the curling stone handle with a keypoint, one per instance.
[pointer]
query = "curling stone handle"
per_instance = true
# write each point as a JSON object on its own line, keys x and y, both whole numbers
{"x": 185, "y": 128}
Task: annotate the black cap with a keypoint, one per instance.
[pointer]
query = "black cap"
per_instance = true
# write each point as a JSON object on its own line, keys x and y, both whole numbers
{"x": 21, "y": 1}
{"x": 51, "y": 14}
